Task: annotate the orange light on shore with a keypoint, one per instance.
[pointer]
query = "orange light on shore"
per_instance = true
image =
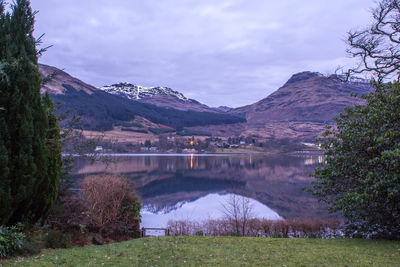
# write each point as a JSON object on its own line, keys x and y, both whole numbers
{"x": 191, "y": 142}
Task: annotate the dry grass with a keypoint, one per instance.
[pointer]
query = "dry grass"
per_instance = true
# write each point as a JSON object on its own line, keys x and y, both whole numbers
{"x": 317, "y": 228}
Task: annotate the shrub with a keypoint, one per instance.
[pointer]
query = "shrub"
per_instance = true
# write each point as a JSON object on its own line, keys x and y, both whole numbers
{"x": 232, "y": 233}
{"x": 311, "y": 228}
{"x": 111, "y": 204}
{"x": 277, "y": 235}
{"x": 199, "y": 233}
{"x": 29, "y": 247}
{"x": 57, "y": 239}
{"x": 11, "y": 239}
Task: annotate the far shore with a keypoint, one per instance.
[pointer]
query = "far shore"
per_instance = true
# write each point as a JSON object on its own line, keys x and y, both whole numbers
{"x": 205, "y": 154}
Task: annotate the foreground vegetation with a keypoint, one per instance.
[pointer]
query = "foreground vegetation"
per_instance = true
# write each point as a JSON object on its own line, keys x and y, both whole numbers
{"x": 234, "y": 251}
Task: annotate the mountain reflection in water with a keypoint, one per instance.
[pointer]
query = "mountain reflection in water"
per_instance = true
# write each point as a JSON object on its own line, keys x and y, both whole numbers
{"x": 166, "y": 182}
{"x": 210, "y": 206}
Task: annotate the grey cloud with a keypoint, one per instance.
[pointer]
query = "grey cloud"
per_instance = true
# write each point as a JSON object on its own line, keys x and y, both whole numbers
{"x": 218, "y": 52}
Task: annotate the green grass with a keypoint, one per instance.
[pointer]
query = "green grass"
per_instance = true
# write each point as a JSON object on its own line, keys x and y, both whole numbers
{"x": 222, "y": 251}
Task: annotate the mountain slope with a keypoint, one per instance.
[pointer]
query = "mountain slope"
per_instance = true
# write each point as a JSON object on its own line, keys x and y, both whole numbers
{"x": 100, "y": 111}
{"x": 306, "y": 96}
{"x": 55, "y": 85}
{"x": 299, "y": 110}
{"x": 159, "y": 96}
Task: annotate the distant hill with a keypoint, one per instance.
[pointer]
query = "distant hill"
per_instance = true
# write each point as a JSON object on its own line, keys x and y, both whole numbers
{"x": 101, "y": 111}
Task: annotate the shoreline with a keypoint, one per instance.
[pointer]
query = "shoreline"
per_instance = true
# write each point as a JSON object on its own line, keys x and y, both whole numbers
{"x": 207, "y": 154}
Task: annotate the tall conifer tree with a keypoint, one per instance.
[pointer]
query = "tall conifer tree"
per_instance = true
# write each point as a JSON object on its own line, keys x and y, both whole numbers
{"x": 5, "y": 189}
{"x": 33, "y": 164}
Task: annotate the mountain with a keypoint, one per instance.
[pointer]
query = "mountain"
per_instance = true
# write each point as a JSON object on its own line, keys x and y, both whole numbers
{"x": 298, "y": 110}
{"x": 101, "y": 111}
{"x": 58, "y": 78}
{"x": 159, "y": 96}
{"x": 306, "y": 96}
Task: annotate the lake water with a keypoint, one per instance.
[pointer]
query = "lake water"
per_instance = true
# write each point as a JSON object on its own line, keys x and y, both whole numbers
{"x": 197, "y": 186}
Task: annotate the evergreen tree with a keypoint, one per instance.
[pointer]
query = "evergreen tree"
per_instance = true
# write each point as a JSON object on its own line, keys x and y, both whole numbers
{"x": 361, "y": 177}
{"x": 53, "y": 141}
{"x": 5, "y": 190}
{"x": 33, "y": 164}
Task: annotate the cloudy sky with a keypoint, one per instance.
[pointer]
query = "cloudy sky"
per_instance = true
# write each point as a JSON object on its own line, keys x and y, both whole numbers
{"x": 219, "y": 52}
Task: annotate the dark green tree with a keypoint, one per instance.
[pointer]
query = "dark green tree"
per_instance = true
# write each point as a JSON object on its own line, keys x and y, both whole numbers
{"x": 49, "y": 185}
{"x": 361, "y": 178}
{"x": 29, "y": 139}
{"x": 5, "y": 193}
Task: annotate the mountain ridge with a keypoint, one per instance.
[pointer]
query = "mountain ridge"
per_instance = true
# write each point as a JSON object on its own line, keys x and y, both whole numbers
{"x": 297, "y": 110}
{"x": 157, "y": 95}
{"x": 101, "y": 111}
{"x": 306, "y": 96}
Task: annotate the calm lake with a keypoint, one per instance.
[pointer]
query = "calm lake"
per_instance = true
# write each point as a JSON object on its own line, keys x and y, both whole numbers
{"x": 196, "y": 186}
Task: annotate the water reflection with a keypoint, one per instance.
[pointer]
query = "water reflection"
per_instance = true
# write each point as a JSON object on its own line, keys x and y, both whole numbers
{"x": 207, "y": 207}
{"x": 312, "y": 160}
{"x": 165, "y": 181}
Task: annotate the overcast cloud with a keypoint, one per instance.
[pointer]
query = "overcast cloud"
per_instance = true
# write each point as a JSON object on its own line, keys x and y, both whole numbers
{"x": 218, "y": 52}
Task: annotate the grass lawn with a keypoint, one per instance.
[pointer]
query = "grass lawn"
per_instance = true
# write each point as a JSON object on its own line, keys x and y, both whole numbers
{"x": 222, "y": 251}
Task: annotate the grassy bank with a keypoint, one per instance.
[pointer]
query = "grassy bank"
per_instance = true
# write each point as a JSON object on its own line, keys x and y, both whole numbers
{"x": 231, "y": 251}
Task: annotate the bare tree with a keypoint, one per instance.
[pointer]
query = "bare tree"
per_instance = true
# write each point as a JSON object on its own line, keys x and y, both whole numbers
{"x": 238, "y": 210}
{"x": 377, "y": 47}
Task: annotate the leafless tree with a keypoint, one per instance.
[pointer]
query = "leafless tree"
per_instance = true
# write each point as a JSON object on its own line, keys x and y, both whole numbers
{"x": 238, "y": 210}
{"x": 377, "y": 47}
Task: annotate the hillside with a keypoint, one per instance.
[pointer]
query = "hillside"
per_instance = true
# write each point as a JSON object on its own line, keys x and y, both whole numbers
{"x": 306, "y": 96}
{"x": 101, "y": 111}
{"x": 55, "y": 85}
{"x": 299, "y": 110}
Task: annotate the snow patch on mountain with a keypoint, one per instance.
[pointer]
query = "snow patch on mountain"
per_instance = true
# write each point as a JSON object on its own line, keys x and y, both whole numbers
{"x": 136, "y": 92}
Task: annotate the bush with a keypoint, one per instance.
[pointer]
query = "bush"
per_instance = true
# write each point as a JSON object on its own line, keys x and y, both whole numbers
{"x": 232, "y": 233}
{"x": 111, "y": 204}
{"x": 11, "y": 239}
{"x": 199, "y": 233}
{"x": 277, "y": 235}
{"x": 57, "y": 239}
{"x": 29, "y": 247}
{"x": 311, "y": 228}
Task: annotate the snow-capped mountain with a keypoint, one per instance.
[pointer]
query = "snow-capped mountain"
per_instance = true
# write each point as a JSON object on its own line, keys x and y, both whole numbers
{"x": 159, "y": 96}
{"x": 136, "y": 92}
